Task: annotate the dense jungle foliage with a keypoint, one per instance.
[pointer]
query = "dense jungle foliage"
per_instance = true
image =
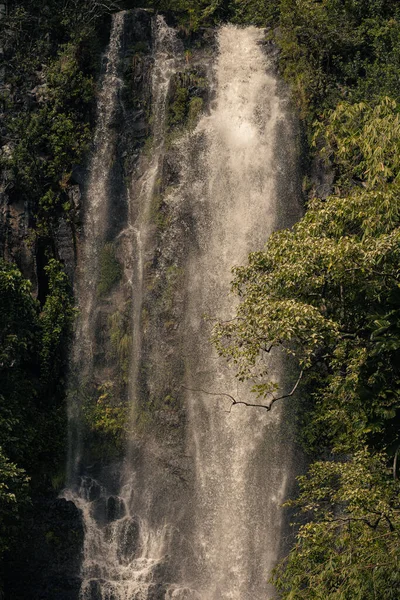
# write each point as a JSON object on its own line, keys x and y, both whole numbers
{"x": 327, "y": 291}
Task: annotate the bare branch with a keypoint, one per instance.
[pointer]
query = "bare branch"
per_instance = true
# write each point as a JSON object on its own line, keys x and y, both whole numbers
{"x": 294, "y": 388}
{"x": 254, "y": 405}
{"x": 350, "y": 519}
{"x": 267, "y": 349}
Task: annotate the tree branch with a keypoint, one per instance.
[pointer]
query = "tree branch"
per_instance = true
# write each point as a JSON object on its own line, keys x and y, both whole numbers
{"x": 254, "y": 405}
{"x": 350, "y": 519}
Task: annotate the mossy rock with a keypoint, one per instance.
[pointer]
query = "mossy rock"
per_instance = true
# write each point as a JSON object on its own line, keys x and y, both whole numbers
{"x": 110, "y": 270}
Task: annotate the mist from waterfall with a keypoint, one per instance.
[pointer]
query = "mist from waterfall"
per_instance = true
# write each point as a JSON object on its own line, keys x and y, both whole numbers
{"x": 216, "y": 533}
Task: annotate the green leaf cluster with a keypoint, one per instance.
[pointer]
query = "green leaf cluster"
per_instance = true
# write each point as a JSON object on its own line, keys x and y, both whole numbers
{"x": 186, "y": 99}
{"x": 55, "y": 320}
{"x": 362, "y": 140}
{"x": 107, "y": 416}
{"x": 349, "y": 546}
{"x": 332, "y": 51}
{"x": 33, "y": 352}
{"x": 110, "y": 270}
{"x": 120, "y": 332}
{"x": 50, "y": 60}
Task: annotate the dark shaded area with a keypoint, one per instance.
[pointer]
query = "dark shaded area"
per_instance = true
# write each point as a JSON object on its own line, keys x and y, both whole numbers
{"x": 46, "y": 566}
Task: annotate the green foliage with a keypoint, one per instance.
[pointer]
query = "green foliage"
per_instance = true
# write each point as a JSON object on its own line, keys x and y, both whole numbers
{"x": 195, "y": 109}
{"x": 186, "y": 100}
{"x": 50, "y": 60}
{"x": 33, "y": 347}
{"x": 178, "y": 108}
{"x": 332, "y": 50}
{"x": 13, "y": 495}
{"x": 255, "y": 12}
{"x": 109, "y": 416}
{"x": 19, "y": 332}
{"x": 106, "y": 416}
{"x": 19, "y": 343}
{"x": 158, "y": 212}
{"x": 11, "y": 478}
{"x": 363, "y": 140}
{"x": 349, "y": 547}
{"x": 18, "y": 317}
{"x": 52, "y": 138}
{"x": 194, "y": 14}
{"x": 110, "y": 270}
{"x": 56, "y": 323}
{"x": 121, "y": 339}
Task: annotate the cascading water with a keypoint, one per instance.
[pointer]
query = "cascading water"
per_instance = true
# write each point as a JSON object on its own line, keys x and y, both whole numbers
{"x": 205, "y": 524}
{"x": 95, "y": 223}
{"x": 120, "y": 551}
{"x": 165, "y": 63}
{"x": 241, "y": 458}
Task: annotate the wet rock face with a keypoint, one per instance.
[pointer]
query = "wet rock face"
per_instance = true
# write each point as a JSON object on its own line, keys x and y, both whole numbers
{"x": 15, "y": 223}
{"x": 64, "y": 237}
{"x": 107, "y": 510}
{"x": 136, "y": 62}
{"x": 48, "y": 562}
{"x": 15, "y": 243}
{"x": 322, "y": 177}
{"x": 130, "y": 540}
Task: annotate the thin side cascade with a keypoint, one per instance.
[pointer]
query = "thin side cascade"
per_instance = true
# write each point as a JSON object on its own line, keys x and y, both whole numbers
{"x": 165, "y": 65}
{"x": 241, "y": 458}
{"x": 121, "y": 551}
{"x": 94, "y": 230}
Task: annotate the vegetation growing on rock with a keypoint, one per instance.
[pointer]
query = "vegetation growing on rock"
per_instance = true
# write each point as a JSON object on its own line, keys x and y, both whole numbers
{"x": 32, "y": 416}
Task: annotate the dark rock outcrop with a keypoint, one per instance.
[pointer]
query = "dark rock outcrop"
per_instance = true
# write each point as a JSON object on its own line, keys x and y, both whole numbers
{"x": 46, "y": 567}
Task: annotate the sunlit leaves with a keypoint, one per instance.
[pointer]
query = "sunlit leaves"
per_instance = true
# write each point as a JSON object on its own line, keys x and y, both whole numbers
{"x": 313, "y": 285}
{"x": 349, "y": 546}
{"x": 363, "y": 140}
{"x": 13, "y": 493}
{"x": 328, "y": 293}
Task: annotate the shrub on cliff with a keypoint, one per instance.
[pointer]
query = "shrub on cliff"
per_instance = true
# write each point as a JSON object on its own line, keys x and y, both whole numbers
{"x": 33, "y": 348}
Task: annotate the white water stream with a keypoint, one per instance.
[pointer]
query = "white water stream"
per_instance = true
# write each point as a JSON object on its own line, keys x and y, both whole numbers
{"x": 120, "y": 551}
{"x": 242, "y": 462}
{"x": 94, "y": 231}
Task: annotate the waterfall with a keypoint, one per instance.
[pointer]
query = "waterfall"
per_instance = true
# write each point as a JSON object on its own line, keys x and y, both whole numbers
{"x": 193, "y": 512}
{"x": 120, "y": 551}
